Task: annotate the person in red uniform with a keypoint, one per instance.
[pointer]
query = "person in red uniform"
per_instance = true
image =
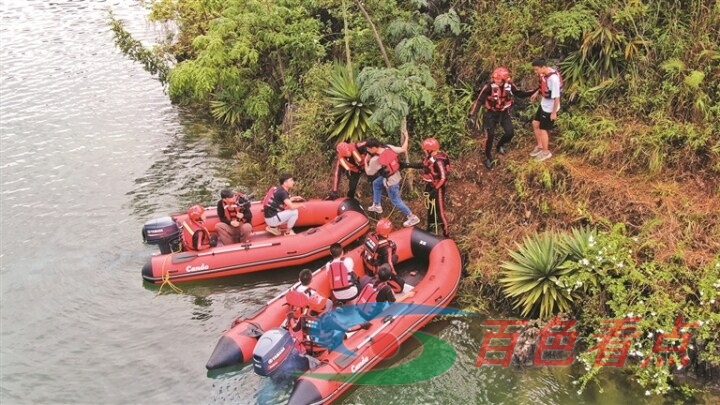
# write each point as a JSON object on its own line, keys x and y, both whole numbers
{"x": 351, "y": 161}
{"x": 435, "y": 169}
{"x": 235, "y": 224}
{"x": 498, "y": 97}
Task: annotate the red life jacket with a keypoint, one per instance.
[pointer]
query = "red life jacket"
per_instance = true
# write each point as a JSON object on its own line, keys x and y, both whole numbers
{"x": 190, "y": 229}
{"x": 373, "y": 248}
{"x": 339, "y": 276}
{"x": 356, "y": 162}
{"x": 369, "y": 293}
{"x": 389, "y": 160}
{"x": 269, "y": 200}
{"x": 500, "y": 97}
{"x": 298, "y": 303}
{"x": 544, "y": 90}
{"x": 431, "y": 167}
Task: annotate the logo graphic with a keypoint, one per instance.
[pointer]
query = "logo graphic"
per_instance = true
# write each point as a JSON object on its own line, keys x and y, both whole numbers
{"x": 436, "y": 358}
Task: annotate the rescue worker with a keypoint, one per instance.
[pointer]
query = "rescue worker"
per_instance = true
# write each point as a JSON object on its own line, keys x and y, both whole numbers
{"x": 435, "y": 169}
{"x": 194, "y": 234}
{"x": 351, "y": 160}
{"x": 281, "y": 209}
{"x": 379, "y": 250}
{"x": 235, "y": 224}
{"x": 384, "y": 160}
{"x": 498, "y": 97}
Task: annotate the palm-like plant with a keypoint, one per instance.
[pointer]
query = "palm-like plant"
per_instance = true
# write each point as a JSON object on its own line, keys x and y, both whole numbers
{"x": 352, "y": 115}
{"x": 535, "y": 276}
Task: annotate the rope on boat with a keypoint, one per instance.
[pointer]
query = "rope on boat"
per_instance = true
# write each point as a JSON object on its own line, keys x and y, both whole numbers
{"x": 166, "y": 279}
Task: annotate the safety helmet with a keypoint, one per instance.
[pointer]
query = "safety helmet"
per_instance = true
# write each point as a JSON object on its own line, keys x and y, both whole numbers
{"x": 430, "y": 144}
{"x": 317, "y": 303}
{"x": 195, "y": 212}
{"x": 501, "y": 73}
{"x": 384, "y": 227}
{"x": 344, "y": 149}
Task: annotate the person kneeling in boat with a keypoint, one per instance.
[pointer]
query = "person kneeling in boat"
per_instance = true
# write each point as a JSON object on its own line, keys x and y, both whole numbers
{"x": 380, "y": 250}
{"x": 376, "y": 293}
{"x": 313, "y": 328}
{"x": 343, "y": 280}
{"x": 281, "y": 209}
{"x": 235, "y": 218}
{"x": 194, "y": 234}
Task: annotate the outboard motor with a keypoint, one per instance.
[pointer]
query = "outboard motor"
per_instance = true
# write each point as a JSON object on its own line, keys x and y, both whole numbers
{"x": 275, "y": 355}
{"x": 163, "y": 232}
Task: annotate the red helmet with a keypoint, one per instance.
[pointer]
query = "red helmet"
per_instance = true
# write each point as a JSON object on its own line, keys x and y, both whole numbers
{"x": 344, "y": 149}
{"x": 195, "y": 212}
{"x": 430, "y": 144}
{"x": 501, "y": 73}
{"x": 384, "y": 227}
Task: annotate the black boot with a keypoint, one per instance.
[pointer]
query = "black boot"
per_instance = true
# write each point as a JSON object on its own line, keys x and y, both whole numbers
{"x": 489, "y": 164}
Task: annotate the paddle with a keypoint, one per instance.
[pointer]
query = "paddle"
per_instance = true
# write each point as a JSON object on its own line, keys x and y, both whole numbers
{"x": 187, "y": 256}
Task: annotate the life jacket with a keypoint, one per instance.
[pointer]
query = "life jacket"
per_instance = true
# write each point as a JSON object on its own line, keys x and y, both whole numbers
{"x": 431, "y": 172}
{"x": 370, "y": 292}
{"x": 340, "y": 277}
{"x": 232, "y": 210}
{"x": 269, "y": 201}
{"x": 500, "y": 97}
{"x": 190, "y": 229}
{"x": 298, "y": 302}
{"x": 374, "y": 248}
{"x": 390, "y": 162}
{"x": 544, "y": 90}
{"x": 356, "y": 162}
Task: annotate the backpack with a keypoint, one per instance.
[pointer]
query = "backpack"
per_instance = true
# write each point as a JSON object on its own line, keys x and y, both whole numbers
{"x": 389, "y": 161}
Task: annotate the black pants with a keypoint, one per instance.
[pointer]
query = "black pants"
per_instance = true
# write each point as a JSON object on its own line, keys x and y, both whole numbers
{"x": 352, "y": 185}
{"x": 436, "y": 210}
{"x": 490, "y": 121}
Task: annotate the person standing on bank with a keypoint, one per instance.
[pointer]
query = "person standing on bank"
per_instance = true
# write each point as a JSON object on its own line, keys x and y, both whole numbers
{"x": 384, "y": 160}
{"x": 435, "y": 167}
{"x": 497, "y": 97}
{"x": 235, "y": 218}
{"x": 351, "y": 160}
{"x": 546, "y": 115}
{"x": 279, "y": 208}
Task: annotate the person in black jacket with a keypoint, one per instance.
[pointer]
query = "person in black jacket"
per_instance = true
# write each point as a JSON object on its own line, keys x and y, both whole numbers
{"x": 497, "y": 97}
{"x": 235, "y": 224}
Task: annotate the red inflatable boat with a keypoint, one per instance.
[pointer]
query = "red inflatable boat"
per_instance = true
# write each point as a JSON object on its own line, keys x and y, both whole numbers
{"x": 431, "y": 266}
{"x": 320, "y": 224}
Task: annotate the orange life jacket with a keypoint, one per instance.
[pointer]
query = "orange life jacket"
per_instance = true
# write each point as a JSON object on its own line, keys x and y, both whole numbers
{"x": 190, "y": 229}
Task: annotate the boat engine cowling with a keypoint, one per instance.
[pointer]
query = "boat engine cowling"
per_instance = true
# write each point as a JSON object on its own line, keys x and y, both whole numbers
{"x": 163, "y": 232}
{"x": 276, "y": 355}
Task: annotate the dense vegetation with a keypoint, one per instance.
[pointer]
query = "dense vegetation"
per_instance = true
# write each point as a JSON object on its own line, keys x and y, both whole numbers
{"x": 623, "y": 220}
